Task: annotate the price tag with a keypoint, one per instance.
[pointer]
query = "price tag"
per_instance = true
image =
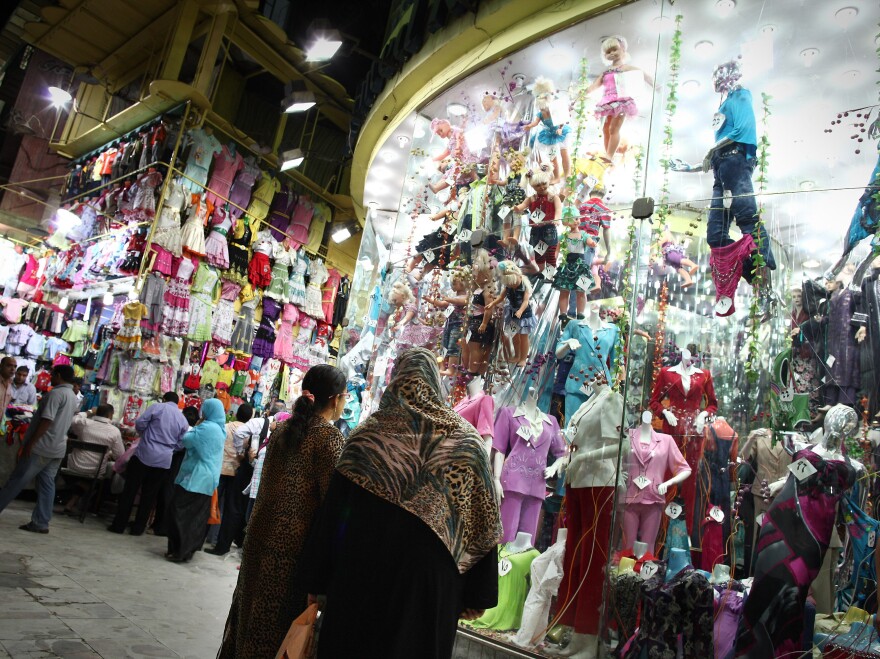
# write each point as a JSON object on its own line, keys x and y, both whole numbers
{"x": 586, "y": 390}
{"x": 648, "y": 570}
{"x": 673, "y": 510}
{"x": 591, "y": 181}
{"x": 449, "y": 180}
{"x": 830, "y": 361}
{"x": 468, "y": 337}
{"x": 642, "y": 482}
{"x": 717, "y": 514}
{"x": 503, "y": 212}
{"x": 465, "y": 235}
{"x": 872, "y": 538}
{"x": 802, "y": 469}
{"x": 449, "y": 311}
{"x": 429, "y": 256}
{"x": 537, "y": 216}
{"x": 372, "y": 324}
{"x": 584, "y": 282}
{"x": 759, "y": 520}
{"x": 541, "y": 248}
{"x": 504, "y": 566}
{"x": 718, "y": 120}
{"x": 381, "y": 366}
{"x": 525, "y": 432}
{"x": 549, "y": 272}
{"x": 511, "y": 327}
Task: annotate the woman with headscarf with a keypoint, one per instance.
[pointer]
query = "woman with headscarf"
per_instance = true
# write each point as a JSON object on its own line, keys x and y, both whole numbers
{"x": 196, "y": 481}
{"x": 406, "y": 543}
{"x": 300, "y": 457}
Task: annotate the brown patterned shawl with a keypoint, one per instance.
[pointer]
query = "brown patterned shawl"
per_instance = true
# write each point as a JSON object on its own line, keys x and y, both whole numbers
{"x": 419, "y": 454}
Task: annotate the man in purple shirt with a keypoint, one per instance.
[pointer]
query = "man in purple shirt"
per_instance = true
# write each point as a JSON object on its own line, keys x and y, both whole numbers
{"x": 161, "y": 428}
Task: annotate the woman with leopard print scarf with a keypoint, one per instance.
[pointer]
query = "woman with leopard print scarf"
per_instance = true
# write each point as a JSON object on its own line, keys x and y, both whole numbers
{"x": 406, "y": 543}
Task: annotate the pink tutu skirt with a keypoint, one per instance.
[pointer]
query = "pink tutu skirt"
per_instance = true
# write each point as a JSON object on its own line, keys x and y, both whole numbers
{"x": 217, "y": 250}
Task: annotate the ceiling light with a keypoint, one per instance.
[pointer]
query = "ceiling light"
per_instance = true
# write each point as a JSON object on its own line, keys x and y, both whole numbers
{"x": 851, "y": 77}
{"x": 64, "y": 302}
{"x": 298, "y": 102}
{"x": 388, "y": 155}
{"x": 690, "y": 86}
{"x": 809, "y": 55}
{"x": 806, "y": 186}
{"x": 768, "y": 29}
{"x": 65, "y": 220}
{"x": 381, "y": 173}
{"x": 845, "y": 17}
{"x": 324, "y": 47}
{"x": 108, "y": 298}
{"x": 811, "y": 264}
{"x": 373, "y": 205}
{"x": 59, "y": 97}
{"x": 704, "y": 48}
{"x": 663, "y": 23}
{"x": 456, "y": 109}
{"x": 419, "y": 132}
{"x": 402, "y": 141}
{"x": 725, "y": 7}
{"x": 291, "y": 158}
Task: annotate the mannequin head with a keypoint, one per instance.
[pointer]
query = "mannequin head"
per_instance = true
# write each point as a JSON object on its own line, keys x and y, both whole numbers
{"x": 544, "y": 90}
{"x": 726, "y": 76}
{"x": 490, "y": 101}
{"x": 511, "y": 275}
{"x": 831, "y": 285}
{"x": 686, "y": 358}
{"x": 482, "y": 269}
{"x": 647, "y": 417}
{"x": 441, "y": 127}
{"x": 614, "y": 50}
{"x": 540, "y": 181}
{"x": 797, "y": 298}
{"x": 400, "y": 294}
{"x": 840, "y": 422}
{"x": 458, "y": 281}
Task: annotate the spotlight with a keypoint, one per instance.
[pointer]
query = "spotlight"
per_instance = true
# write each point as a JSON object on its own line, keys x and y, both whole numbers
{"x": 64, "y": 302}
{"x": 65, "y": 220}
{"x": 59, "y": 97}
{"x": 344, "y": 231}
{"x": 725, "y": 7}
{"x": 291, "y": 158}
{"x": 298, "y": 102}
{"x": 324, "y": 47}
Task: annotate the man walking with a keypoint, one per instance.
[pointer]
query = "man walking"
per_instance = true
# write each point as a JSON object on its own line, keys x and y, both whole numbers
{"x": 161, "y": 428}
{"x": 45, "y": 444}
{"x": 23, "y": 392}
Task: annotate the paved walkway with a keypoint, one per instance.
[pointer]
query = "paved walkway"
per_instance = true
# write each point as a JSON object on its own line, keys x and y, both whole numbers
{"x": 82, "y": 592}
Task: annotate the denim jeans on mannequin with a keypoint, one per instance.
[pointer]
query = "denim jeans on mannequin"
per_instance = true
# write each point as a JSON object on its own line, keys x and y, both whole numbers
{"x": 43, "y": 471}
{"x": 733, "y": 172}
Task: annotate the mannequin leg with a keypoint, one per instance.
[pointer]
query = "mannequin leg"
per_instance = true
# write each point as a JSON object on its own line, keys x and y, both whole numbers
{"x": 650, "y": 518}
{"x": 563, "y": 301}
{"x": 511, "y": 508}
{"x": 630, "y": 525}
{"x": 529, "y": 514}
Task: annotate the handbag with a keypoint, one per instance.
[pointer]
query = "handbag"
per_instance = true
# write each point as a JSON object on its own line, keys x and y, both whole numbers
{"x": 214, "y": 515}
{"x": 300, "y": 640}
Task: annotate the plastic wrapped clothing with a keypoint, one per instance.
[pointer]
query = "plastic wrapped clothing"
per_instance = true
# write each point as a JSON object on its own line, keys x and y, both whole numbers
{"x": 546, "y": 577}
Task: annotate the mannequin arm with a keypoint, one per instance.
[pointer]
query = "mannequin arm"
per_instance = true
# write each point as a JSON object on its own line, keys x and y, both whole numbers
{"x": 498, "y": 463}
{"x": 700, "y": 421}
{"x": 555, "y": 468}
{"x": 680, "y": 477}
{"x": 606, "y": 239}
{"x": 567, "y": 346}
{"x": 775, "y": 486}
{"x": 671, "y": 419}
{"x": 557, "y": 204}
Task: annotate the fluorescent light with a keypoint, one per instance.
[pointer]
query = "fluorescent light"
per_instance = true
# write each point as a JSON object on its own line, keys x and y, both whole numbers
{"x": 456, "y": 109}
{"x": 704, "y": 48}
{"x": 475, "y": 138}
{"x": 380, "y": 173}
{"x": 291, "y": 158}
{"x": 299, "y": 102}
{"x": 59, "y": 97}
{"x": 846, "y": 16}
{"x": 810, "y": 264}
{"x": 324, "y": 47}
{"x": 341, "y": 235}
{"x": 64, "y": 302}
{"x": 65, "y": 220}
{"x": 107, "y": 299}
{"x": 725, "y": 7}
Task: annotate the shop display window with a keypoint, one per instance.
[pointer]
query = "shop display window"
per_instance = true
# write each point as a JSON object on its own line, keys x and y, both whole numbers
{"x": 678, "y": 360}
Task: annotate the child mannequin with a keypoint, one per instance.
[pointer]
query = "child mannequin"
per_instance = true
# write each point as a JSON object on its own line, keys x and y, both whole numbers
{"x": 613, "y": 107}
{"x": 544, "y": 209}
{"x": 674, "y": 255}
{"x": 552, "y": 137}
{"x": 518, "y": 313}
{"x": 481, "y": 331}
{"x": 575, "y": 266}
{"x": 453, "y": 329}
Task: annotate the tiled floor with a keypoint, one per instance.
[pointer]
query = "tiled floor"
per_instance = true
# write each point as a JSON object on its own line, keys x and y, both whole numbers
{"x": 82, "y": 592}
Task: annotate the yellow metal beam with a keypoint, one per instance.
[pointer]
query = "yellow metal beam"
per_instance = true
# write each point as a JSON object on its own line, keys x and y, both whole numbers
{"x": 210, "y": 50}
{"x": 453, "y": 53}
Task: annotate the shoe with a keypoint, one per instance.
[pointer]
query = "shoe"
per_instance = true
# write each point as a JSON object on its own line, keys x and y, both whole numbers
{"x": 214, "y": 551}
{"x": 133, "y": 532}
{"x": 174, "y": 558}
{"x": 113, "y": 529}
{"x": 30, "y": 526}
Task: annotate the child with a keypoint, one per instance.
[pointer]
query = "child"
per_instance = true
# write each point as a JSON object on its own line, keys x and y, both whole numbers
{"x": 518, "y": 312}
{"x": 544, "y": 209}
{"x": 453, "y": 330}
{"x": 575, "y": 266}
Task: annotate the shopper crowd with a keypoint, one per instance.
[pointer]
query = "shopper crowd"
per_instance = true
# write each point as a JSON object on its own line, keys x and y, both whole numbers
{"x": 307, "y": 506}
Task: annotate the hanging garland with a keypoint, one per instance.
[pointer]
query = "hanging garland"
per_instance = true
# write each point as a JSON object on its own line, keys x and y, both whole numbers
{"x": 660, "y": 334}
{"x": 759, "y": 271}
{"x": 669, "y": 114}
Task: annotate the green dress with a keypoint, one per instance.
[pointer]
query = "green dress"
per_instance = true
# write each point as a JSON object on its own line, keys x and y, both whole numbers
{"x": 513, "y": 586}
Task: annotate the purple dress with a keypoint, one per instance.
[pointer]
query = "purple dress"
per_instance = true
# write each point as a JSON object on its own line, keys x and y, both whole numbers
{"x": 279, "y": 215}
{"x": 264, "y": 342}
{"x": 791, "y": 547}
{"x": 240, "y": 193}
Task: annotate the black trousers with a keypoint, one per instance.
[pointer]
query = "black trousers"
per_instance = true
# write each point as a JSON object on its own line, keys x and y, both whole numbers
{"x": 188, "y": 522}
{"x": 232, "y": 516}
{"x": 148, "y": 480}
{"x": 163, "y": 500}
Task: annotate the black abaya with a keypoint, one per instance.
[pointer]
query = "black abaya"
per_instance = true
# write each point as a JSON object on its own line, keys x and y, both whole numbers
{"x": 188, "y": 522}
{"x": 393, "y": 590}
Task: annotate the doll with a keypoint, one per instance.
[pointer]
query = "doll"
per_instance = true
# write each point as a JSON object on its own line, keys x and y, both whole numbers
{"x": 453, "y": 330}
{"x": 574, "y": 274}
{"x": 508, "y": 134}
{"x": 512, "y": 192}
{"x": 435, "y": 246}
{"x": 544, "y": 209}
{"x": 673, "y": 255}
{"x": 518, "y": 314}
{"x": 615, "y": 108}
{"x": 553, "y": 137}
{"x": 481, "y": 329}
{"x": 596, "y": 216}
{"x": 404, "y": 324}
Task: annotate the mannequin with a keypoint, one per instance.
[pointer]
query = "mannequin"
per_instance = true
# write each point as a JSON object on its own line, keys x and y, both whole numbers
{"x": 690, "y": 393}
{"x": 546, "y": 576}
{"x": 652, "y": 455}
{"x": 867, "y": 319}
{"x": 639, "y": 549}
{"x": 721, "y": 448}
{"x": 591, "y": 480}
{"x": 843, "y": 354}
{"x": 524, "y": 437}
{"x": 771, "y": 466}
{"x": 793, "y": 541}
{"x": 478, "y": 409}
{"x": 594, "y": 343}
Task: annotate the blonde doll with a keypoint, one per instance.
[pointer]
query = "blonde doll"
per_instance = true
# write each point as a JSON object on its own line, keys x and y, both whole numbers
{"x": 453, "y": 330}
{"x": 545, "y": 210}
{"x": 554, "y": 137}
{"x": 481, "y": 329}
{"x": 613, "y": 106}
{"x": 518, "y": 314}
{"x": 404, "y": 324}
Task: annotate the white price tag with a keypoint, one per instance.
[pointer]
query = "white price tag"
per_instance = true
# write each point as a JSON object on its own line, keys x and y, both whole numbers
{"x": 450, "y": 181}
{"x": 649, "y": 569}
{"x": 717, "y": 514}
{"x": 465, "y": 235}
{"x": 718, "y": 120}
{"x": 541, "y": 248}
{"x": 511, "y": 327}
{"x": 429, "y": 256}
{"x": 586, "y": 390}
{"x": 584, "y": 282}
{"x": 590, "y": 181}
{"x": 449, "y": 311}
{"x": 380, "y": 367}
{"x": 872, "y": 539}
{"x": 642, "y": 482}
{"x": 537, "y": 216}
{"x": 802, "y": 469}
{"x": 549, "y": 272}
{"x": 759, "y": 520}
{"x": 673, "y": 510}
{"x": 830, "y": 361}
{"x": 503, "y": 212}
{"x": 525, "y": 432}
{"x": 468, "y": 337}
{"x": 504, "y": 566}
{"x": 372, "y": 324}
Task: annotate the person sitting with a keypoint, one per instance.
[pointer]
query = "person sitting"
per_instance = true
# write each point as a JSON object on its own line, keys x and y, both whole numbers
{"x": 94, "y": 427}
{"x": 23, "y": 392}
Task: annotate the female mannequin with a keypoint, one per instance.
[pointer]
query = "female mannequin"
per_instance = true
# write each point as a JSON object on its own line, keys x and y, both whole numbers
{"x": 546, "y": 575}
{"x": 713, "y": 491}
{"x": 523, "y": 438}
{"x": 478, "y": 409}
{"x": 651, "y": 456}
{"x": 594, "y": 344}
{"x": 691, "y": 396}
{"x": 589, "y": 495}
{"x": 793, "y": 541}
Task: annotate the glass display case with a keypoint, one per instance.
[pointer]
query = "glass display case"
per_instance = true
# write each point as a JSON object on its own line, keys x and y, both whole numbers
{"x": 650, "y": 235}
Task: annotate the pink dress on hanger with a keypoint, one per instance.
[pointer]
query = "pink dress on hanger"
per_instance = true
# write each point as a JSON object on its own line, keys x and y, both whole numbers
{"x": 284, "y": 339}
{"x": 175, "y": 313}
{"x": 226, "y": 166}
{"x": 300, "y": 220}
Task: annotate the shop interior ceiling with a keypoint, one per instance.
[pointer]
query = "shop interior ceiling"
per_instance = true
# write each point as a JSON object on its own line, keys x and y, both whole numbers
{"x": 808, "y": 91}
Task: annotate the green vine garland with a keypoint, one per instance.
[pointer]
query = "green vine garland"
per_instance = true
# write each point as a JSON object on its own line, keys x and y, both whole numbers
{"x": 669, "y": 113}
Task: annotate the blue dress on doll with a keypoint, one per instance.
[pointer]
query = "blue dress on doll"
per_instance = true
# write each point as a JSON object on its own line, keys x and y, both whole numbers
{"x": 548, "y": 134}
